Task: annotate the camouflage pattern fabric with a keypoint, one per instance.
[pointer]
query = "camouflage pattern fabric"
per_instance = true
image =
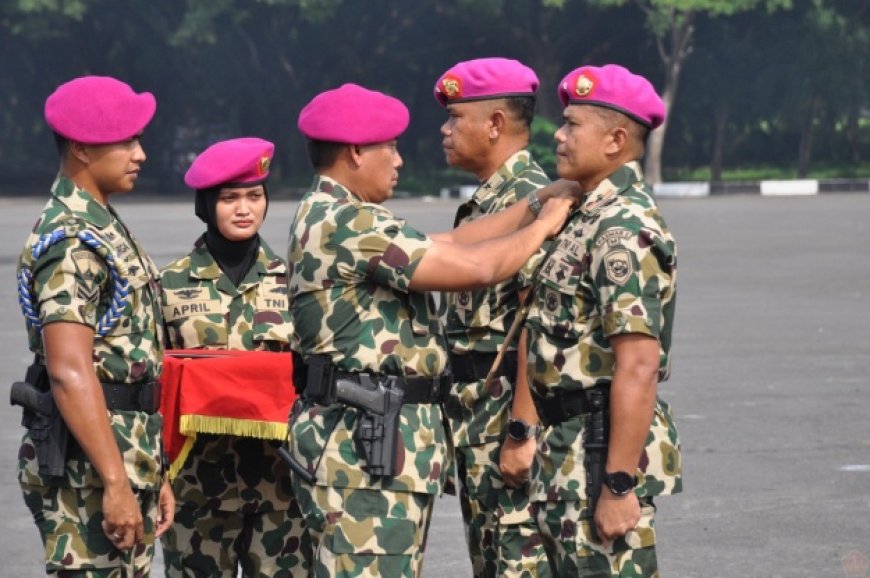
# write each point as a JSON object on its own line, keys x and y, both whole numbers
{"x": 477, "y": 322}
{"x": 365, "y": 533}
{"x": 234, "y": 500}
{"x": 566, "y": 529}
{"x": 349, "y": 299}
{"x": 613, "y": 272}
{"x": 70, "y": 524}
{"x": 500, "y": 528}
{"x": 71, "y": 284}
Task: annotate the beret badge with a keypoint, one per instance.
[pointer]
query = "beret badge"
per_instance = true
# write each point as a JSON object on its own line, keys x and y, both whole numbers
{"x": 584, "y": 85}
{"x": 263, "y": 165}
{"x": 452, "y": 86}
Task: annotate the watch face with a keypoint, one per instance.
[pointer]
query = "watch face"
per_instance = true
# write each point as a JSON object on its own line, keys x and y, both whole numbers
{"x": 518, "y": 430}
{"x": 620, "y": 483}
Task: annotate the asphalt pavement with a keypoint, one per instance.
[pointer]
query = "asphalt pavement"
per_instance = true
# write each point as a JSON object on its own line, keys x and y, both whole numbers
{"x": 771, "y": 357}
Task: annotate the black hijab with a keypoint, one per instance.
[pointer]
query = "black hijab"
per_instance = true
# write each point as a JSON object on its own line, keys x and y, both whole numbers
{"x": 235, "y": 258}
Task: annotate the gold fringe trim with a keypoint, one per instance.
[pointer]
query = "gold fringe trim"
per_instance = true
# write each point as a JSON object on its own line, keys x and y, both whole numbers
{"x": 178, "y": 462}
{"x": 267, "y": 430}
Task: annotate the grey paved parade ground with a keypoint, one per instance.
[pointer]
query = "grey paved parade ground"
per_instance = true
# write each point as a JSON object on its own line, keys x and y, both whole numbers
{"x": 770, "y": 382}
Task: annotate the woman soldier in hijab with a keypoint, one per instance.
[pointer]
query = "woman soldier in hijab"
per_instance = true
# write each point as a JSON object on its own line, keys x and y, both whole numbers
{"x": 235, "y": 508}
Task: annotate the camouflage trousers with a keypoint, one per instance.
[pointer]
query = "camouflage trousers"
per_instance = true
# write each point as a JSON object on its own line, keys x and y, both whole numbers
{"x": 566, "y": 529}
{"x": 365, "y": 533}
{"x": 70, "y": 524}
{"x": 235, "y": 510}
{"x": 500, "y": 528}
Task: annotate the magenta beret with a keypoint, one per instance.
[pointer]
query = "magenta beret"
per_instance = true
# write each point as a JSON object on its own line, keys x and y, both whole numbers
{"x": 613, "y": 86}
{"x": 239, "y": 162}
{"x": 98, "y": 110}
{"x": 352, "y": 114}
{"x": 485, "y": 78}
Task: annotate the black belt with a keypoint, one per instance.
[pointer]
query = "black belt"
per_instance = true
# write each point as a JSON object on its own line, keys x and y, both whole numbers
{"x": 416, "y": 389}
{"x": 132, "y": 396}
{"x": 476, "y": 366}
{"x": 562, "y": 407}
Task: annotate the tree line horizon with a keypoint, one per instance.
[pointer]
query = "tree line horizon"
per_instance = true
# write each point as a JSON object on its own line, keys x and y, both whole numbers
{"x": 765, "y": 88}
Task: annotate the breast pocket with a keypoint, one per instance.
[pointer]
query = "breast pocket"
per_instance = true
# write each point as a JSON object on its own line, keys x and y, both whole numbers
{"x": 424, "y": 315}
{"x": 561, "y": 295}
{"x": 272, "y": 325}
{"x": 194, "y": 320}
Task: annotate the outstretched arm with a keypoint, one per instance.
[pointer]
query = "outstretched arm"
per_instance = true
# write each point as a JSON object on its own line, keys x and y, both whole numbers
{"x": 451, "y": 266}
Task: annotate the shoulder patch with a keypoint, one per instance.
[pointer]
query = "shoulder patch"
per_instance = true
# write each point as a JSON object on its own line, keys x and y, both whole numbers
{"x": 618, "y": 265}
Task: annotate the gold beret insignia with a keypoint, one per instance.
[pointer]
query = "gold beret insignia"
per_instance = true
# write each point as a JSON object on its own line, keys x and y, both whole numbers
{"x": 452, "y": 86}
{"x": 584, "y": 85}
{"x": 263, "y": 165}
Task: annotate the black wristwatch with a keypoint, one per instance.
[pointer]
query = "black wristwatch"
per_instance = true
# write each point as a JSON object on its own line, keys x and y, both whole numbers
{"x": 534, "y": 203}
{"x": 620, "y": 483}
{"x": 519, "y": 430}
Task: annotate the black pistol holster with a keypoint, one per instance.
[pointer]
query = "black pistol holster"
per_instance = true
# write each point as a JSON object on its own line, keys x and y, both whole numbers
{"x": 595, "y": 446}
{"x": 377, "y": 431}
{"x": 379, "y": 398}
{"x": 42, "y": 419}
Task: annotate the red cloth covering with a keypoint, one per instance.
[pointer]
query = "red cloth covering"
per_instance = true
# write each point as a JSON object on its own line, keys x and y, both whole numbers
{"x": 243, "y": 393}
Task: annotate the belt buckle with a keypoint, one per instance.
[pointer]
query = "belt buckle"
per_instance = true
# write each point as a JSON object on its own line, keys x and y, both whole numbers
{"x": 435, "y": 390}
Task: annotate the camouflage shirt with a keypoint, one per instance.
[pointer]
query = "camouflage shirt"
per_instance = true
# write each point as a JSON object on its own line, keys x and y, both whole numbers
{"x": 349, "y": 299}
{"x": 204, "y": 310}
{"x": 71, "y": 283}
{"x": 612, "y": 272}
{"x": 478, "y": 320}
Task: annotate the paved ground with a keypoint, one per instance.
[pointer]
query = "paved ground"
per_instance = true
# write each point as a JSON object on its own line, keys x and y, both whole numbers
{"x": 771, "y": 357}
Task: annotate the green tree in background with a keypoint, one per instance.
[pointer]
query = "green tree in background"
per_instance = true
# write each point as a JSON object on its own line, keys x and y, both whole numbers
{"x": 765, "y": 85}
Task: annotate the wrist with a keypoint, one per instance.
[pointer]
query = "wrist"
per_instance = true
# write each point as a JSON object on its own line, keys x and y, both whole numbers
{"x": 619, "y": 483}
{"x": 520, "y": 430}
{"x": 535, "y": 202}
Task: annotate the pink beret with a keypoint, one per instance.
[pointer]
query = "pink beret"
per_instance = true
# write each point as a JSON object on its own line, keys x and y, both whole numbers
{"x": 613, "y": 86}
{"x": 239, "y": 161}
{"x": 485, "y": 78}
{"x": 354, "y": 115}
{"x": 98, "y": 110}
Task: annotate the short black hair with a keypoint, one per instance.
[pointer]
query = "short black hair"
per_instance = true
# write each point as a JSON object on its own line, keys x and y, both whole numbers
{"x": 523, "y": 108}
{"x": 61, "y": 142}
{"x": 322, "y": 153}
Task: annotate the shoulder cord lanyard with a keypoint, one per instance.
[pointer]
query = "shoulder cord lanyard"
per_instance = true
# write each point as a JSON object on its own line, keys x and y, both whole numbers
{"x": 120, "y": 285}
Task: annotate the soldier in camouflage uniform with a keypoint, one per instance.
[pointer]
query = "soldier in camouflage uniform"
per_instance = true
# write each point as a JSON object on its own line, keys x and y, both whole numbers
{"x": 599, "y": 336}
{"x": 491, "y": 104}
{"x": 101, "y": 517}
{"x": 235, "y": 504}
{"x": 361, "y": 319}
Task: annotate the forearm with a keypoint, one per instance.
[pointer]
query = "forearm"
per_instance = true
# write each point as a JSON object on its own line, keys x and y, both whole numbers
{"x": 81, "y": 402}
{"x": 495, "y": 225}
{"x": 469, "y": 266}
{"x": 632, "y": 403}
{"x": 523, "y": 407}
